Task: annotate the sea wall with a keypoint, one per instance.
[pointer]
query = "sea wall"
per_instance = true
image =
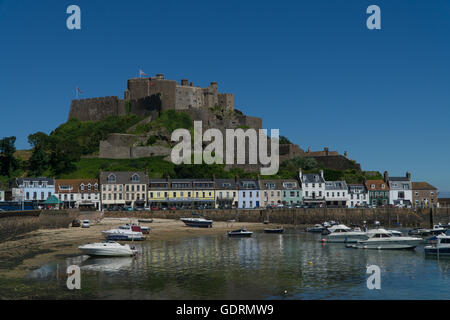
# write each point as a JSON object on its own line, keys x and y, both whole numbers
{"x": 388, "y": 217}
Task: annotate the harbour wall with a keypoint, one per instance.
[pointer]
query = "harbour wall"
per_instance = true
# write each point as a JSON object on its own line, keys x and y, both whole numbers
{"x": 388, "y": 217}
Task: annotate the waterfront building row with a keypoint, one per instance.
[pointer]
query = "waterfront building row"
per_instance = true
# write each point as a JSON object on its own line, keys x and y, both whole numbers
{"x": 135, "y": 189}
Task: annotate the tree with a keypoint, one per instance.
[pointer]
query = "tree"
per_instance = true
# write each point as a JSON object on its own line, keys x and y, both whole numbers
{"x": 8, "y": 163}
{"x": 284, "y": 140}
{"x": 38, "y": 162}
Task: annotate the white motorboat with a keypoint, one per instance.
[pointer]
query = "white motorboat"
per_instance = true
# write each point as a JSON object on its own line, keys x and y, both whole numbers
{"x": 197, "y": 222}
{"x": 124, "y": 234}
{"x": 395, "y": 233}
{"x": 384, "y": 239}
{"x": 240, "y": 233}
{"x": 440, "y": 246}
{"x": 342, "y": 234}
{"x": 107, "y": 249}
{"x": 317, "y": 228}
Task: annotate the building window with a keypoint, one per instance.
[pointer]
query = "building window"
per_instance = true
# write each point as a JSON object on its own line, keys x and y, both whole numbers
{"x": 111, "y": 178}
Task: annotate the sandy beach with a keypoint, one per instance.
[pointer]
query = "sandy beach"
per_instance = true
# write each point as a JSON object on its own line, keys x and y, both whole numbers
{"x": 30, "y": 250}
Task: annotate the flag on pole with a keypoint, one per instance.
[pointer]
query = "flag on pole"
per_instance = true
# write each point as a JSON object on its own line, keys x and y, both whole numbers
{"x": 141, "y": 73}
{"x": 79, "y": 92}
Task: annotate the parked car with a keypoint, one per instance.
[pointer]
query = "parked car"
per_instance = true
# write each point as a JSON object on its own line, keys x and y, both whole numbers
{"x": 280, "y": 205}
{"x": 155, "y": 208}
{"x": 172, "y": 208}
{"x": 76, "y": 223}
{"x": 85, "y": 224}
{"x": 128, "y": 208}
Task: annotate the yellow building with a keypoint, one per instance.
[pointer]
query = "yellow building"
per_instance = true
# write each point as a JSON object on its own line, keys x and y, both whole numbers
{"x": 182, "y": 193}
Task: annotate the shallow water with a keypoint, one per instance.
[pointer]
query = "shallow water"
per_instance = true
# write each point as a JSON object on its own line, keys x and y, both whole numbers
{"x": 261, "y": 267}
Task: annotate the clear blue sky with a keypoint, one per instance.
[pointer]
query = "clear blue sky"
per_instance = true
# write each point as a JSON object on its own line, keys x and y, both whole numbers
{"x": 310, "y": 68}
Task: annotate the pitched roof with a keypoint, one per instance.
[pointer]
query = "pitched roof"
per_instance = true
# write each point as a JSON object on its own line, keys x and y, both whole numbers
{"x": 335, "y": 185}
{"x": 50, "y": 181}
{"x": 225, "y": 184}
{"x": 271, "y": 184}
{"x": 248, "y": 184}
{"x": 75, "y": 185}
{"x": 377, "y": 185}
{"x": 312, "y": 178}
{"x": 422, "y": 186}
{"x": 124, "y": 177}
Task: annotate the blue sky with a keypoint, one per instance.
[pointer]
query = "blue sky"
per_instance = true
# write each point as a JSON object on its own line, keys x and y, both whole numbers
{"x": 310, "y": 68}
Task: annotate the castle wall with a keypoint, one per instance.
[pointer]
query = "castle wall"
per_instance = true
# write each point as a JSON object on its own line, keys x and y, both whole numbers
{"x": 164, "y": 90}
{"x": 189, "y": 97}
{"x": 96, "y": 109}
{"x": 226, "y": 100}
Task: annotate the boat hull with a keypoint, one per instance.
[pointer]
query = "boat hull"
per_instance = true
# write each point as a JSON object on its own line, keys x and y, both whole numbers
{"x": 437, "y": 251}
{"x": 273, "y": 230}
{"x": 388, "y": 245}
{"x": 124, "y": 237}
{"x": 107, "y": 253}
{"x": 240, "y": 235}
{"x": 197, "y": 224}
{"x": 346, "y": 238}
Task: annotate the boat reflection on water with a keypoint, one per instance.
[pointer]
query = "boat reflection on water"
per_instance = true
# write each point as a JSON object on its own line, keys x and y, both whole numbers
{"x": 107, "y": 264}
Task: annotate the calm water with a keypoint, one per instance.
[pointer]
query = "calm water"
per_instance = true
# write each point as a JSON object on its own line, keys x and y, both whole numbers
{"x": 261, "y": 267}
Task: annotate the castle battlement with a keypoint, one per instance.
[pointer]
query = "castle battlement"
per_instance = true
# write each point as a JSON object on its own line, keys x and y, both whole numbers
{"x": 144, "y": 96}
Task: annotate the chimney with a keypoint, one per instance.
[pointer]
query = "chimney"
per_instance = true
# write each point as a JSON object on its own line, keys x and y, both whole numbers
{"x": 160, "y": 76}
{"x": 236, "y": 179}
{"x": 300, "y": 175}
{"x": 326, "y": 150}
{"x": 184, "y": 82}
{"x": 408, "y": 175}
{"x": 191, "y": 84}
{"x": 386, "y": 176}
{"x": 309, "y": 149}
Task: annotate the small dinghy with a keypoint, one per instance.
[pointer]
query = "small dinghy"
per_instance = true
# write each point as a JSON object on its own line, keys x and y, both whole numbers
{"x": 145, "y": 220}
{"x": 108, "y": 249}
{"x": 275, "y": 230}
{"x": 240, "y": 233}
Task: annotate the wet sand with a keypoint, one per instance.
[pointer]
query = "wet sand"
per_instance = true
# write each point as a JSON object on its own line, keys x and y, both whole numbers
{"x": 32, "y": 249}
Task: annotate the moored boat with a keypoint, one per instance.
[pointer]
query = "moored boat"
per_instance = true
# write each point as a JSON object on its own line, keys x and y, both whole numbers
{"x": 274, "y": 230}
{"x": 197, "y": 222}
{"x": 440, "y": 246}
{"x": 145, "y": 220}
{"x": 124, "y": 234}
{"x": 107, "y": 249}
{"x": 317, "y": 228}
{"x": 384, "y": 239}
{"x": 342, "y": 234}
{"x": 240, "y": 233}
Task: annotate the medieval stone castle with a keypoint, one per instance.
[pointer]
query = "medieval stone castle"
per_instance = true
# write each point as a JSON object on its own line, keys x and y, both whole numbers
{"x": 147, "y": 97}
{"x": 144, "y": 96}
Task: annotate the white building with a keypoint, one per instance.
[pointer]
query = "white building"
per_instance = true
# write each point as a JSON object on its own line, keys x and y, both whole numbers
{"x": 400, "y": 193}
{"x": 358, "y": 196}
{"x": 76, "y": 193}
{"x": 313, "y": 187}
{"x": 336, "y": 193}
